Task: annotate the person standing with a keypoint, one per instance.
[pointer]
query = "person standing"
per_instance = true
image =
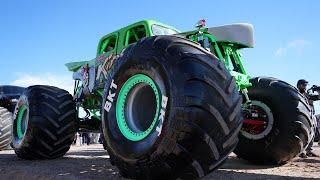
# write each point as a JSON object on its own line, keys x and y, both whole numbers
{"x": 302, "y": 86}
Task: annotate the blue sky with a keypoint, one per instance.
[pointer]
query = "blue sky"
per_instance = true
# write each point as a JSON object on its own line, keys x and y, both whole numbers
{"x": 38, "y": 37}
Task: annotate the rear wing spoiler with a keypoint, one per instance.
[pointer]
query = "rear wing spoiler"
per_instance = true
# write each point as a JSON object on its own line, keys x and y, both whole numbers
{"x": 241, "y": 33}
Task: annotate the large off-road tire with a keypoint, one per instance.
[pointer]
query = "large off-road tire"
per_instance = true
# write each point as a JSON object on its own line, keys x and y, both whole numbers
{"x": 5, "y": 128}
{"x": 283, "y": 128}
{"x": 171, "y": 110}
{"x": 44, "y": 123}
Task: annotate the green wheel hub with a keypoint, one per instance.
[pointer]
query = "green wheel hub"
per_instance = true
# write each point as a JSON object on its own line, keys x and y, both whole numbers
{"x": 138, "y": 107}
{"x": 21, "y": 126}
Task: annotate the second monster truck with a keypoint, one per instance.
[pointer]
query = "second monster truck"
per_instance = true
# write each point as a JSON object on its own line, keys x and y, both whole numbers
{"x": 169, "y": 104}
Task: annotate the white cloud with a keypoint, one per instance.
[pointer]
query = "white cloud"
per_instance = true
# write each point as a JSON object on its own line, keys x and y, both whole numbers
{"x": 61, "y": 81}
{"x": 280, "y": 52}
{"x": 296, "y": 46}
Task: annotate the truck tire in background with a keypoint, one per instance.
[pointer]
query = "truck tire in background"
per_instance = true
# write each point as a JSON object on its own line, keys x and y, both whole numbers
{"x": 44, "y": 123}
{"x": 5, "y": 128}
{"x": 280, "y": 126}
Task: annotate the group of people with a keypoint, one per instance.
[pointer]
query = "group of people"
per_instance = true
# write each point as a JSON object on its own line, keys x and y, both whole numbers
{"x": 85, "y": 138}
{"x": 302, "y": 86}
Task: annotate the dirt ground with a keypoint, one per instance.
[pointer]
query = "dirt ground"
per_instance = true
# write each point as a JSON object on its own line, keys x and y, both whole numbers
{"x": 91, "y": 162}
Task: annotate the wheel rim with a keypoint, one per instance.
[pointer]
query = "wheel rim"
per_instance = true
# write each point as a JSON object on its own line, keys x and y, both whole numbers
{"x": 138, "y": 107}
{"x": 258, "y": 121}
{"x": 22, "y": 121}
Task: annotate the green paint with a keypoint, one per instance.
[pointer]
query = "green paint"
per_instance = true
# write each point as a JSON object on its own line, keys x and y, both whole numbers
{"x": 228, "y": 52}
{"x": 121, "y": 102}
{"x": 22, "y": 110}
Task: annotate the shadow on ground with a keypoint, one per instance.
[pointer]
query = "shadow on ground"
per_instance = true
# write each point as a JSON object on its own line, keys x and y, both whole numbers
{"x": 80, "y": 164}
{"x": 308, "y": 161}
{"x": 236, "y": 163}
{"x": 232, "y": 175}
{"x": 92, "y": 162}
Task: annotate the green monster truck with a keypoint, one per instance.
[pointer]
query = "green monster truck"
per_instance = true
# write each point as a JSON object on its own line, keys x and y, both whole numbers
{"x": 169, "y": 104}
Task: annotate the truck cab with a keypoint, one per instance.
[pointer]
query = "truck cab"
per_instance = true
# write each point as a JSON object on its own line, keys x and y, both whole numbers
{"x": 116, "y": 41}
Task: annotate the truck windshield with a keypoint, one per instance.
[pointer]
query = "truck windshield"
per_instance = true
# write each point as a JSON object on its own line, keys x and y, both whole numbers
{"x": 161, "y": 30}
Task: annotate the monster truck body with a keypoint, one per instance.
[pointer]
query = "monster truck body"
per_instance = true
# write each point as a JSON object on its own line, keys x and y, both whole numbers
{"x": 169, "y": 104}
{"x": 223, "y": 42}
{"x": 90, "y": 75}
